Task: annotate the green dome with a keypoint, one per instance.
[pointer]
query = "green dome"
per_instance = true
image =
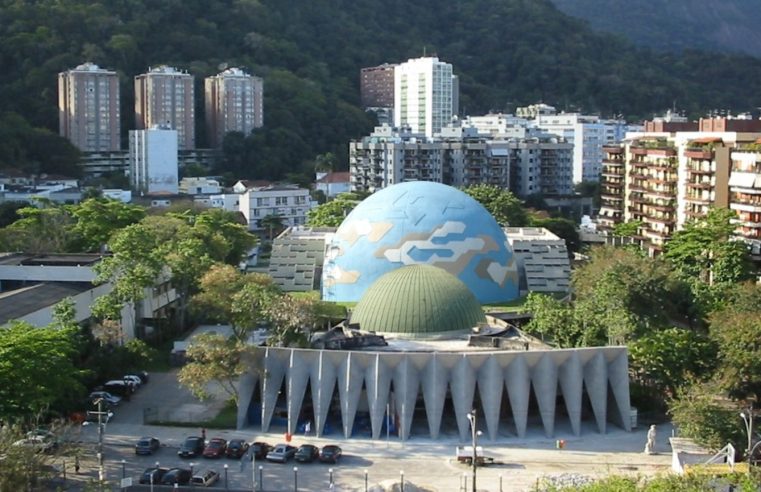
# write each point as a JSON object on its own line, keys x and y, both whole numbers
{"x": 418, "y": 301}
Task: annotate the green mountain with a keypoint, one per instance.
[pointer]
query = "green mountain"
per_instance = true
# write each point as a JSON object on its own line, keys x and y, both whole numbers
{"x": 668, "y": 25}
{"x": 506, "y": 52}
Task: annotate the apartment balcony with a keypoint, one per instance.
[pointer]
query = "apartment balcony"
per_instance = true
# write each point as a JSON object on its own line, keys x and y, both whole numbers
{"x": 699, "y": 170}
{"x": 612, "y": 149}
{"x": 698, "y": 153}
{"x": 661, "y": 207}
{"x": 616, "y": 185}
{"x": 745, "y": 206}
{"x": 749, "y": 222}
{"x": 699, "y": 200}
{"x": 663, "y": 181}
{"x": 611, "y": 197}
{"x": 638, "y": 150}
{"x": 637, "y": 198}
{"x": 668, "y": 194}
{"x": 699, "y": 186}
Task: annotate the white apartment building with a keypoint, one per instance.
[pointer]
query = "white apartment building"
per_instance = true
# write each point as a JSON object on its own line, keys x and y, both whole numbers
{"x": 289, "y": 202}
{"x": 153, "y": 161}
{"x": 88, "y": 108}
{"x": 234, "y": 103}
{"x": 164, "y": 96}
{"x": 424, "y": 98}
{"x": 200, "y": 186}
{"x": 461, "y": 156}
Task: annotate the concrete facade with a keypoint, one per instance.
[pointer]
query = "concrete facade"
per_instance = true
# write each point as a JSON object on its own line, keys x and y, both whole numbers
{"x": 515, "y": 389}
{"x": 164, "y": 96}
{"x": 153, "y": 160}
{"x": 234, "y": 103}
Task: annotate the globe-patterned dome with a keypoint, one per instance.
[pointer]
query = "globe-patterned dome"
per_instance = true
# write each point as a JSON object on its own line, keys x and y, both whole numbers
{"x": 418, "y": 301}
{"x": 419, "y": 223}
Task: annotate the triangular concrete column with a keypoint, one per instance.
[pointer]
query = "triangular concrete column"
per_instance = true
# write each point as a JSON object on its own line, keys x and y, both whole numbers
{"x": 406, "y": 385}
{"x": 572, "y": 384}
{"x": 596, "y": 382}
{"x": 275, "y": 363}
{"x": 490, "y": 389}
{"x": 299, "y": 366}
{"x": 435, "y": 379}
{"x": 350, "y": 378}
{"x": 246, "y": 386}
{"x": 518, "y": 381}
{"x": 378, "y": 382}
{"x": 323, "y": 379}
{"x": 544, "y": 377}
{"x": 463, "y": 387}
{"x": 618, "y": 375}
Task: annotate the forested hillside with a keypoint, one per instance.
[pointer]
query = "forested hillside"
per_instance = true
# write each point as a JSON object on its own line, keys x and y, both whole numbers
{"x": 507, "y": 53}
{"x": 668, "y": 25}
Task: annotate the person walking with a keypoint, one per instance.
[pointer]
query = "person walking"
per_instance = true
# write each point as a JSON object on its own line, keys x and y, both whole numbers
{"x": 307, "y": 428}
{"x": 76, "y": 464}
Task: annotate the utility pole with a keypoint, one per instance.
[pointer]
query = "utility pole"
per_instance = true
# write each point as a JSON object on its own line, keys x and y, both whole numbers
{"x": 472, "y": 420}
{"x": 101, "y": 469}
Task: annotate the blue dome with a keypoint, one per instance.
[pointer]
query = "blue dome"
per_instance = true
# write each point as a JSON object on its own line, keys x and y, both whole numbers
{"x": 419, "y": 223}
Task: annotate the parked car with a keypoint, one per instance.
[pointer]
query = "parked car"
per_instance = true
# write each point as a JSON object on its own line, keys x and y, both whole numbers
{"x": 143, "y": 375}
{"x": 330, "y": 453}
{"x": 133, "y": 380}
{"x": 192, "y": 447}
{"x": 307, "y": 453}
{"x": 119, "y": 387}
{"x": 107, "y": 397}
{"x": 205, "y": 478}
{"x": 153, "y": 475}
{"x": 147, "y": 445}
{"x": 216, "y": 448}
{"x": 236, "y": 448}
{"x": 260, "y": 450}
{"x": 179, "y": 476}
{"x": 39, "y": 444}
{"x": 281, "y": 453}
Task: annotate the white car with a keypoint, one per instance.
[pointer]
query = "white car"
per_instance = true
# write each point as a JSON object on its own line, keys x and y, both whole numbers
{"x": 106, "y": 397}
{"x": 135, "y": 381}
{"x": 40, "y": 444}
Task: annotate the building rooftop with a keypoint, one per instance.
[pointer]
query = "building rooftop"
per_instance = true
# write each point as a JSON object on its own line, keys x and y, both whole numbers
{"x": 16, "y": 304}
{"x": 24, "y": 259}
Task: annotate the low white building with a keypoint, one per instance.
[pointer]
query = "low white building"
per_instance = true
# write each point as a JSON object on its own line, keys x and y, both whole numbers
{"x": 334, "y": 183}
{"x": 153, "y": 160}
{"x": 289, "y": 202}
{"x": 200, "y": 186}
{"x": 32, "y": 285}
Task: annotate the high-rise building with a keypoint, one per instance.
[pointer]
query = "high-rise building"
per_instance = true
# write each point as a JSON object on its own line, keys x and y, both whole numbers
{"x": 423, "y": 95}
{"x": 88, "y": 108}
{"x": 164, "y": 96}
{"x": 153, "y": 160}
{"x": 234, "y": 103}
{"x": 376, "y": 86}
{"x": 675, "y": 171}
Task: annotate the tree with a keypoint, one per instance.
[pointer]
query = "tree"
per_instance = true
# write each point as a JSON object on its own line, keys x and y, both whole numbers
{"x": 36, "y": 370}
{"x": 627, "y": 229}
{"x": 226, "y": 239}
{"x": 563, "y": 228}
{"x": 506, "y": 209}
{"x": 736, "y": 328}
{"x": 272, "y": 223}
{"x": 552, "y": 319}
{"x": 96, "y": 219}
{"x": 706, "y": 250}
{"x": 229, "y": 296}
{"x": 213, "y": 359}
{"x": 663, "y": 360}
{"x": 705, "y": 417}
{"x": 333, "y": 212}
{"x": 44, "y": 228}
{"x": 293, "y": 319}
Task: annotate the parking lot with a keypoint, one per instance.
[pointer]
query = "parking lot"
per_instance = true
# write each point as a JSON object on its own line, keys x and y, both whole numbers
{"x": 519, "y": 463}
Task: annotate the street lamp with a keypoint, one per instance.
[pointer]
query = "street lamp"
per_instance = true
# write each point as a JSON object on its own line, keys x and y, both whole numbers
{"x": 474, "y": 442}
{"x": 295, "y": 479}
{"x": 191, "y": 473}
{"x": 225, "y": 476}
{"x": 401, "y": 473}
{"x": 330, "y": 479}
{"x": 748, "y": 421}
{"x": 261, "y": 477}
{"x": 124, "y": 468}
{"x": 365, "y": 479}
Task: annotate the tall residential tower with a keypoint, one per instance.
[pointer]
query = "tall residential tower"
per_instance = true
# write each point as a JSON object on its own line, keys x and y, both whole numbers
{"x": 88, "y": 108}
{"x": 424, "y": 98}
{"x": 233, "y": 104}
{"x": 164, "y": 96}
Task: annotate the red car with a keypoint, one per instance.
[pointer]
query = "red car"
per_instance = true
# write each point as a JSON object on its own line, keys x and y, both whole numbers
{"x": 216, "y": 448}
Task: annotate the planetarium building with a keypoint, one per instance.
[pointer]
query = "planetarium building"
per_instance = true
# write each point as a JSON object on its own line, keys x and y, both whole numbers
{"x": 420, "y": 259}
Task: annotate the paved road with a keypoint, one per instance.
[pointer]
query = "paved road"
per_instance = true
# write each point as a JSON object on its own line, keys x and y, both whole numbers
{"x": 520, "y": 462}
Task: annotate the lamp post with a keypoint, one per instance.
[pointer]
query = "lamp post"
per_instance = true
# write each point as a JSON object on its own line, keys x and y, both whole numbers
{"x": 330, "y": 477}
{"x": 295, "y": 479}
{"x": 253, "y": 471}
{"x": 365, "y": 479}
{"x": 101, "y": 469}
{"x": 474, "y": 441}
{"x": 226, "y": 476}
{"x": 124, "y": 468}
{"x": 748, "y": 421}
{"x": 191, "y": 473}
{"x": 261, "y": 477}
{"x": 401, "y": 474}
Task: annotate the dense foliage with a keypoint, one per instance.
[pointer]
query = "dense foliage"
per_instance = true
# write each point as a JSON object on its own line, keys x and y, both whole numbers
{"x": 507, "y": 53}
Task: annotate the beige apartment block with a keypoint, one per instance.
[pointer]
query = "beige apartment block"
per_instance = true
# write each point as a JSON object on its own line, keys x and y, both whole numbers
{"x": 164, "y": 97}
{"x": 234, "y": 103}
